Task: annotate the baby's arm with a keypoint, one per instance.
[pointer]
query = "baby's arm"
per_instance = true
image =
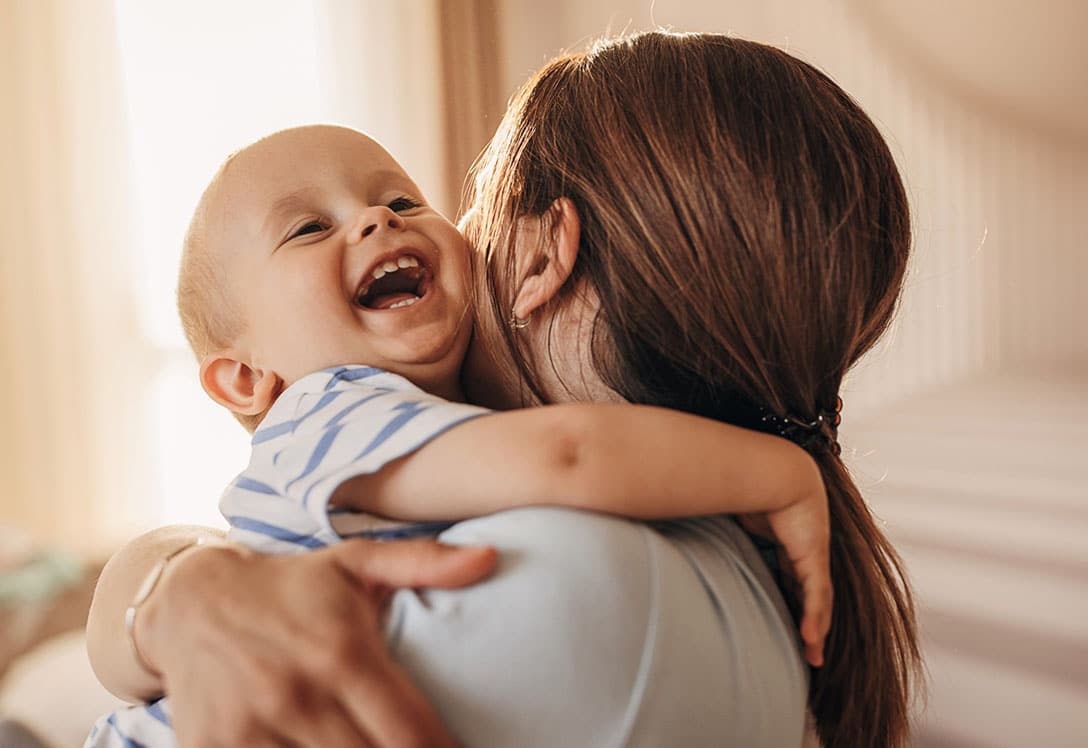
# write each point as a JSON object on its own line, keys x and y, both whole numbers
{"x": 636, "y": 461}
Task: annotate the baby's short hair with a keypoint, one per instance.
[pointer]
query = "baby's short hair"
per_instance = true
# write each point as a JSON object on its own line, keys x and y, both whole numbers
{"x": 209, "y": 314}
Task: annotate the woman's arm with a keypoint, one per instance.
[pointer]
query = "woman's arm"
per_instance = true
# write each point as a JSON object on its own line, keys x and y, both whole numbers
{"x": 287, "y": 648}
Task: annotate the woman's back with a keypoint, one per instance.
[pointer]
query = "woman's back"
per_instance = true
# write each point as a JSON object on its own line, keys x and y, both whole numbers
{"x": 599, "y": 631}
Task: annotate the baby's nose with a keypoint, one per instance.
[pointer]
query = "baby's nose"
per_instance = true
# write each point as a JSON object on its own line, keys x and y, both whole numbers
{"x": 378, "y": 217}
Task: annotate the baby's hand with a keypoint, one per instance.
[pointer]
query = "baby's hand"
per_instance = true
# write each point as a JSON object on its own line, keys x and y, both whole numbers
{"x": 803, "y": 535}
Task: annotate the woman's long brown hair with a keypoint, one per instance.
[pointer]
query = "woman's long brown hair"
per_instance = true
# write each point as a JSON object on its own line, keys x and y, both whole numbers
{"x": 747, "y": 232}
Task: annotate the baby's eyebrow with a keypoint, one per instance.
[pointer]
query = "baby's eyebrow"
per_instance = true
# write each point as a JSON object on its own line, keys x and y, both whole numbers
{"x": 291, "y": 202}
{"x": 394, "y": 176}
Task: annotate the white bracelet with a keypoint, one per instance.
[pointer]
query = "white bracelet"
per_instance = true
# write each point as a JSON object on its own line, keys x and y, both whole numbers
{"x": 151, "y": 581}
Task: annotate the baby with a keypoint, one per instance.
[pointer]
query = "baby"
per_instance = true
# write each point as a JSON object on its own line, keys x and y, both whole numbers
{"x": 329, "y": 305}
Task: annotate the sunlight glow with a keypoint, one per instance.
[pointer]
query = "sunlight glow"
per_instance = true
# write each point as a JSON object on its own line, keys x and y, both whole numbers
{"x": 202, "y": 78}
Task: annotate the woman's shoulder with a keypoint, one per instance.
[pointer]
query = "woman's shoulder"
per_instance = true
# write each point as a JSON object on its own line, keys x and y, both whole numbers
{"x": 605, "y": 628}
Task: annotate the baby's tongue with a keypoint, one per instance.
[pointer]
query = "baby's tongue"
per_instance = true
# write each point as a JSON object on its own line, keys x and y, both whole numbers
{"x": 386, "y": 300}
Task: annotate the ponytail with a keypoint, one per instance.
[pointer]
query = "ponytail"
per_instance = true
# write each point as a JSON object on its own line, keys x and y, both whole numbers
{"x": 861, "y": 697}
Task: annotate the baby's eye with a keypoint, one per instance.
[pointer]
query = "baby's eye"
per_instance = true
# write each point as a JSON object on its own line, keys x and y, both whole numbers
{"x": 403, "y": 203}
{"x": 313, "y": 227}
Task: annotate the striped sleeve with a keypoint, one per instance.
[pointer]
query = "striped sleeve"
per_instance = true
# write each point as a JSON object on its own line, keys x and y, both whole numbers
{"x": 146, "y": 726}
{"x": 323, "y": 430}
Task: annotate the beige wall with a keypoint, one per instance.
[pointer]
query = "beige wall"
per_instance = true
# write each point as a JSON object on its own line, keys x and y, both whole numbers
{"x": 1000, "y": 195}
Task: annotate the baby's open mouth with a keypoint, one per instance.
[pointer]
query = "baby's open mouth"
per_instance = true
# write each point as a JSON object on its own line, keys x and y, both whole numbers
{"x": 395, "y": 282}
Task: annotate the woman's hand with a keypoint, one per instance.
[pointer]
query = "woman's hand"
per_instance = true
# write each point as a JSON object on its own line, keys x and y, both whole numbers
{"x": 802, "y": 532}
{"x": 261, "y": 650}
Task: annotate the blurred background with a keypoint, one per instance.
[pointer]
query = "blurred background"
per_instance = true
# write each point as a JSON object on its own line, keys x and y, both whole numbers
{"x": 967, "y": 428}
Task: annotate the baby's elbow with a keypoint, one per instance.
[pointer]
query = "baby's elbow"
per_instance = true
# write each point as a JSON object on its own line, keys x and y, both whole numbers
{"x": 570, "y": 460}
{"x": 570, "y": 447}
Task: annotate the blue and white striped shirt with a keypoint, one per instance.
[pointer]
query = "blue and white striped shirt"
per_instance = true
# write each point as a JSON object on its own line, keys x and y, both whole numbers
{"x": 323, "y": 430}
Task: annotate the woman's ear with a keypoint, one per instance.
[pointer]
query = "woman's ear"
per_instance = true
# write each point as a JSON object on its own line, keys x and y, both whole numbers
{"x": 546, "y": 265}
{"x": 235, "y": 385}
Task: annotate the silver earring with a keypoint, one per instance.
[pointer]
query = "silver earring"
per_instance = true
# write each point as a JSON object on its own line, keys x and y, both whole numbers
{"x": 516, "y": 323}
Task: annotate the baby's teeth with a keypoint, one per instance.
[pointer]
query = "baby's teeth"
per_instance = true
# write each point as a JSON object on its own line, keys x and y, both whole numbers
{"x": 391, "y": 266}
{"x": 406, "y": 302}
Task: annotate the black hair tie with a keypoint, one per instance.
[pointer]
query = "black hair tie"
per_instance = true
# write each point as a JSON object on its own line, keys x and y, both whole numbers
{"x": 812, "y": 435}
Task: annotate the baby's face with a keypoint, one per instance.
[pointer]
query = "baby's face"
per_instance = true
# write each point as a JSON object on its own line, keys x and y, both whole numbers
{"x": 334, "y": 257}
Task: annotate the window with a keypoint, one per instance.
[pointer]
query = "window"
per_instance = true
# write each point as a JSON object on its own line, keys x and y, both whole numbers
{"x": 202, "y": 79}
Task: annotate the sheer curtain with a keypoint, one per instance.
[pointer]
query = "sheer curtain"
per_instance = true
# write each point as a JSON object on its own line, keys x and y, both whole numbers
{"x": 72, "y": 367}
{"x": 116, "y": 112}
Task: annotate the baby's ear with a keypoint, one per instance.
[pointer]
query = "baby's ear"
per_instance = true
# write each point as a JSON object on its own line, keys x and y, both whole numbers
{"x": 545, "y": 267}
{"x": 235, "y": 385}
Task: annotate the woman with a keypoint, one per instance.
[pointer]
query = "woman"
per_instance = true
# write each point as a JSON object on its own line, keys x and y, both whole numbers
{"x": 749, "y": 180}
{"x": 689, "y": 221}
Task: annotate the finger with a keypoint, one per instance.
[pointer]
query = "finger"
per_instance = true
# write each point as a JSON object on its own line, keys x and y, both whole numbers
{"x": 415, "y": 563}
{"x": 814, "y": 654}
{"x": 385, "y": 704}
{"x": 817, "y": 596}
{"x": 265, "y": 739}
{"x": 330, "y": 726}
{"x": 789, "y": 582}
{"x": 270, "y": 741}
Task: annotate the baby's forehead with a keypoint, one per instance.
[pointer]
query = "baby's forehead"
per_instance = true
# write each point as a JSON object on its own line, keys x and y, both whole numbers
{"x": 311, "y": 159}
{"x": 294, "y": 170}
{"x": 320, "y": 144}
